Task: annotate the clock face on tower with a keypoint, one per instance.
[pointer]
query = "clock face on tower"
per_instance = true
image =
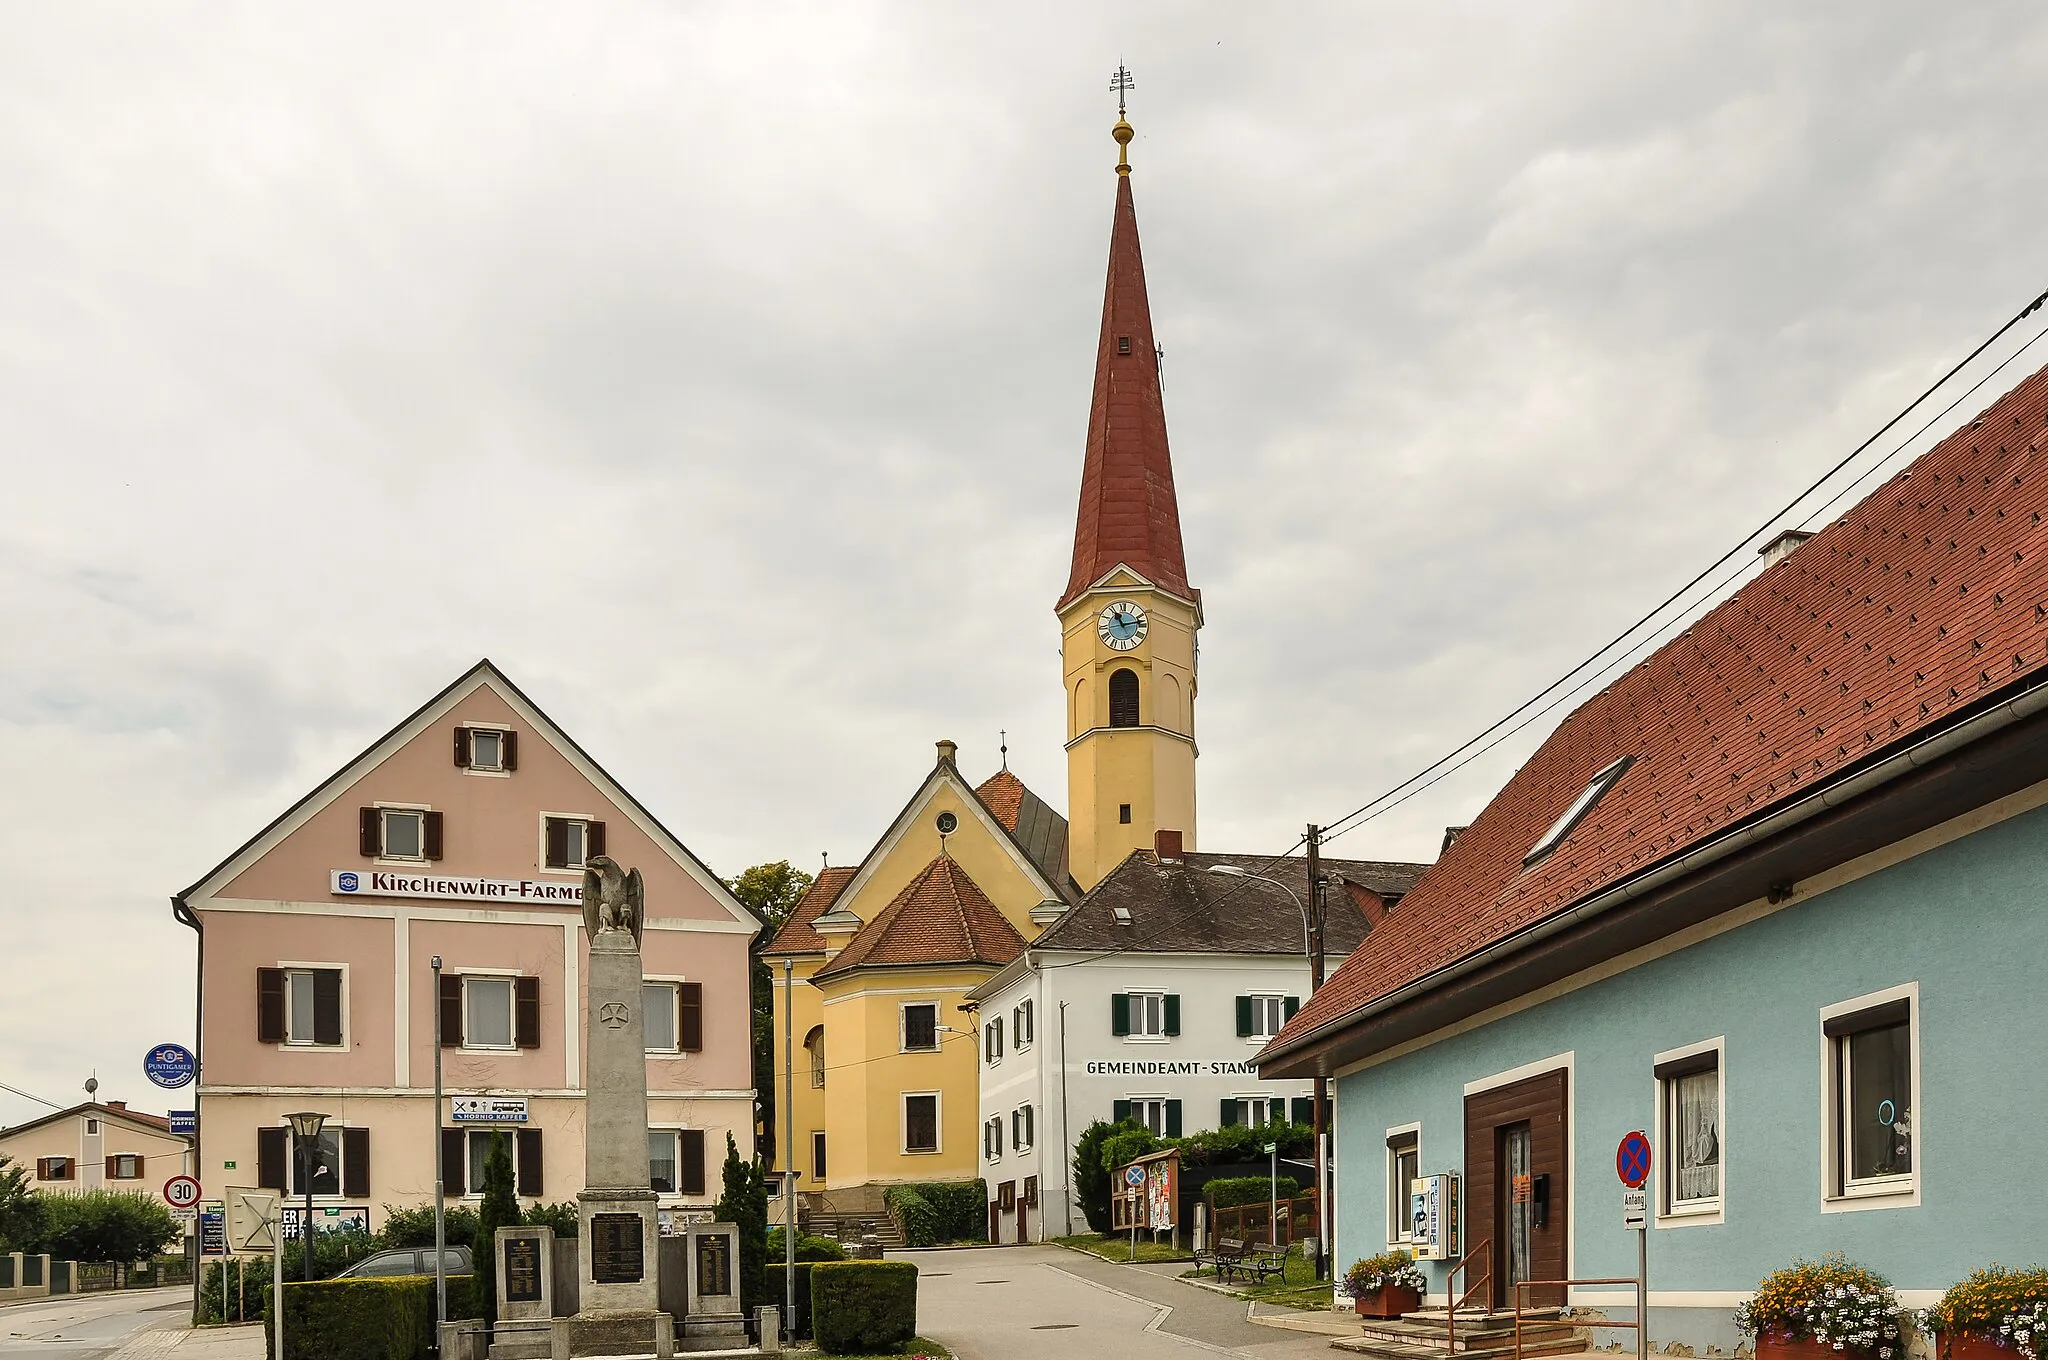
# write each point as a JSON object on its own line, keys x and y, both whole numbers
{"x": 1122, "y": 626}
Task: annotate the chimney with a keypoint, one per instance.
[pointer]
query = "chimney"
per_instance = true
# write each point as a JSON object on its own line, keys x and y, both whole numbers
{"x": 1166, "y": 845}
{"x": 1451, "y": 834}
{"x": 117, "y": 1104}
{"x": 947, "y": 752}
{"x": 1783, "y": 546}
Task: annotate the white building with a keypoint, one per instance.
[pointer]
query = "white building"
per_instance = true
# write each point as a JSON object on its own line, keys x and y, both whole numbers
{"x": 1150, "y": 999}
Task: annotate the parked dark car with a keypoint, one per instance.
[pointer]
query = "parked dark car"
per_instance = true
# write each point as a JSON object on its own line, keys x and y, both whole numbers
{"x": 410, "y": 1261}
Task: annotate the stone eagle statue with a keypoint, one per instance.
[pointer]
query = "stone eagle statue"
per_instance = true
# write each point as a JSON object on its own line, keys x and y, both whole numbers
{"x": 613, "y": 898}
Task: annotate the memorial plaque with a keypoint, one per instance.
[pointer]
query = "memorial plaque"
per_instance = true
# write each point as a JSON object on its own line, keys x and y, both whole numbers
{"x": 714, "y": 1267}
{"x": 522, "y": 1270}
{"x": 615, "y": 1249}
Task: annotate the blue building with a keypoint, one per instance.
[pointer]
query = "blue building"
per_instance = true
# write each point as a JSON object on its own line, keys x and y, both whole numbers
{"x": 1778, "y": 897}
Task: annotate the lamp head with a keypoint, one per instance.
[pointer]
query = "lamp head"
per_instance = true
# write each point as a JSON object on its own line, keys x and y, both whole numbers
{"x": 307, "y": 1123}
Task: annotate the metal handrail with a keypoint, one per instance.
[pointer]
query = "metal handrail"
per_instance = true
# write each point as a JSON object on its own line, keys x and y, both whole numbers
{"x": 1457, "y": 1301}
{"x": 1566, "y": 1286}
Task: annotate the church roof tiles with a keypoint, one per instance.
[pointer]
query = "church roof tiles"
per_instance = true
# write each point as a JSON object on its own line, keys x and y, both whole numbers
{"x": 940, "y": 916}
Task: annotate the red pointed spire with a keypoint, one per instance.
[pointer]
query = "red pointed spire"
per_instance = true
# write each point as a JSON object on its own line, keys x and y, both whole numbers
{"x": 1128, "y": 512}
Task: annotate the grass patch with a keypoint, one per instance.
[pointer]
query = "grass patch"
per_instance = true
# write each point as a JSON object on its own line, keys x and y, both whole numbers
{"x": 918, "y": 1346}
{"x": 1296, "y": 1288}
{"x": 1117, "y": 1247}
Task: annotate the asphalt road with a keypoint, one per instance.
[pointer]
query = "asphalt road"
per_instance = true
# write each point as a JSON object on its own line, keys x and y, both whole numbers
{"x": 89, "y": 1326}
{"x": 1026, "y": 1303}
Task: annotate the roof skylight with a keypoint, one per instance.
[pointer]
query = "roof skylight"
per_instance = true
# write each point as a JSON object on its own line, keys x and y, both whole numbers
{"x": 1576, "y": 813}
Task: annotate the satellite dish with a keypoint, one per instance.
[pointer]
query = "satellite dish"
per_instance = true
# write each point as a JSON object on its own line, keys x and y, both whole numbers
{"x": 92, "y": 1086}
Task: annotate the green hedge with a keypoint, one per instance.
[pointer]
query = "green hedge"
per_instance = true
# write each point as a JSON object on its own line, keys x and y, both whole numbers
{"x": 374, "y": 1318}
{"x": 809, "y": 1247}
{"x": 772, "y": 1278}
{"x": 1228, "y": 1191}
{"x": 864, "y": 1307}
{"x": 916, "y": 1217}
{"x": 931, "y": 1212}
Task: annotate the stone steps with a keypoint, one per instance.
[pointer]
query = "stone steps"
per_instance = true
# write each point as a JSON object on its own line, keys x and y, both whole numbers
{"x": 848, "y": 1228}
{"x": 1480, "y": 1336}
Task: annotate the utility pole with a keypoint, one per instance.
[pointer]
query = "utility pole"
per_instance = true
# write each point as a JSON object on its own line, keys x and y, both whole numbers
{"x": 1318, "y": 911}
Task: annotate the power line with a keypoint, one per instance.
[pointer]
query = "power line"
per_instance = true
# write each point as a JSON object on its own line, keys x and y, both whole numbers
{"x": 16, "y": 1090}
{"x": 1344, "y": 823}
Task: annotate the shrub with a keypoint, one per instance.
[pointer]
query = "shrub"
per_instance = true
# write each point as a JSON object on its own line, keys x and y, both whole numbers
{"x": 915, "y": 1217}
{"x": 1389, "y": 1268}
{"x": 377, "y": 1318}
{"x": 562, "y": 1217}
{"x": 1830, "y": 1301}
{"x": 104, "y": 1225}
{"x": 333, "y": 1252}
{"x": 500, "y": 1209}
{"x": 800, "y": 1325}
{"x": 1125, "y": 1146}
{"x": 744, "y": 1201}
{"x": 960, "y": 1208}
{"x": 1229, "y": 1191}
{"x": 415, "y": 1227}
{"x": 1245, "y": 1143}
{"x": 809, "y": 1247}
{"x": 863, "y": 1307}
{"x": 232, "y": 1290}
{"x": 2008, "y": 1307}
{"x": 1091, "y": 1177}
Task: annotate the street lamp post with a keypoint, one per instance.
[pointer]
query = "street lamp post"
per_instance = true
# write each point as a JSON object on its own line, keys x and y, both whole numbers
{"x": 789, "y": 1149}
{"x": 306, "y": 1126}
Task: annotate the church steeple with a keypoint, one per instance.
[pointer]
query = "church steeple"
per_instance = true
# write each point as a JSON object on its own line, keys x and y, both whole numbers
{"x": 1128, "y": 616}
{"x": 1128, "y": 512}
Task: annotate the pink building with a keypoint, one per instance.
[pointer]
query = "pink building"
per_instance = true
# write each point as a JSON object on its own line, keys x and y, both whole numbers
{"x": 461, "y": 834}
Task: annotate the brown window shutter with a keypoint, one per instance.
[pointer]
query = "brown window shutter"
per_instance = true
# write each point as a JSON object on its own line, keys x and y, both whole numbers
{"x": 270, "y": 1005}
{"x": 141, "y": 1163}
{"x": 355, "y": 1163}
{"x": 509, "y": 750}
{"x": 451, "y": 1011}
{"x": 270, "y": 1151}
{"x": 593, "y": 840}
{"x": 462, "y": 748}
{"x": 110, "y": 1173}
{"x": 526, "y": 1159}
{"x": 526, "y": 1012}
{"x": 432, "y": 839}
{"x": 690, "y": 1026}
{"x": 327, "y": 1006}
{"x": 454, "y": 1171}
{"x": 693, "y": 1162}
{"x": 370, "y": 833}
{"x": 558, "y": 843}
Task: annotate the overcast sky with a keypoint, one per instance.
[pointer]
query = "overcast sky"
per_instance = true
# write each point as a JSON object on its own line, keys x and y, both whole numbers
{"x": 721, "y": 372}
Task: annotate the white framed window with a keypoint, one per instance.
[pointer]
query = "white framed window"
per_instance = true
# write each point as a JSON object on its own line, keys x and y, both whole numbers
{"x": 124, "y": 1166}
{"x": 818, "y": 1155}
{"x": 1871, "y": 1101}
{"x": 919, "y": 1027}
{"x": 404, "y": 833}
{"x": 1266, "y": 1016}
{"x": 658, "y": 1016}
{"x": 814, "y": 1047}
{"x": 992, "y": 1041}
{"x": 1023, "y": 1130}
{"x": 1151, "y": 1112}
{"x": 1022, "y": 1025}
{"x": 1404, "y": 1164}
{"x": 486, "y": 1011}
{"x": 922, "y": 1131}
{"x": 992, "y": 1138}
{"x": 569, "y": 840}
{"x": 92, "y": 1128}
{"x": 1148, "y": 1015}
{"x": 663, "y": 1161}
{"x": 486, "y": 749}
{"x": 1691, "y": 1123}
{"x": 1256, "y": 1110}
{"x": 312, "y": 995}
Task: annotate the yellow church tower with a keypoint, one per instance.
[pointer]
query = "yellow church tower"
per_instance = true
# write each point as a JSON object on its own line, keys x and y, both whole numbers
{"x": 1128, "y": 616}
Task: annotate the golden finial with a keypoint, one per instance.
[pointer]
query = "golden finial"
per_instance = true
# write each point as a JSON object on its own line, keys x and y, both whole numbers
{"x": 1122, "y": 82}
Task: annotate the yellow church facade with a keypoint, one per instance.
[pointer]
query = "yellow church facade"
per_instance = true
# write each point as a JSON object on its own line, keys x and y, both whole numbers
{"x": 873, "y": 1026}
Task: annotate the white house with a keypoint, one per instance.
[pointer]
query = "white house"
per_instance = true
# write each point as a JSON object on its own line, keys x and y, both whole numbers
{"x": 1149, "y": 999}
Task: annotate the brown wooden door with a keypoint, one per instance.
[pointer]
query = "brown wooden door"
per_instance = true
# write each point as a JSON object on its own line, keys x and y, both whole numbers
{"x": 1023, "y": 1221}
{"x": 1517, "y": 1159}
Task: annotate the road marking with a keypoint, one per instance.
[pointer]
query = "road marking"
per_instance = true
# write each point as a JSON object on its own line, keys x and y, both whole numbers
{"x": 1165, "y": 1311}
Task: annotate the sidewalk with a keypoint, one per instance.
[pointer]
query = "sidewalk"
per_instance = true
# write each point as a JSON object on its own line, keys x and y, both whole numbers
{"x": 181, "y": 1342}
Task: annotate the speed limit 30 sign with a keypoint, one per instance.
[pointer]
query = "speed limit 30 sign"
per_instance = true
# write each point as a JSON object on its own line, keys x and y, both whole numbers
{"x": 181, "y": 1192}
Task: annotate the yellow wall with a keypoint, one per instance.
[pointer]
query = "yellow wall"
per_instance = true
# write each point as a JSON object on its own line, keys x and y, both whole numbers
{"x": 809, "y": 1104}
{"x": 987, "y": 857}
{"x": 1151, "y": 766}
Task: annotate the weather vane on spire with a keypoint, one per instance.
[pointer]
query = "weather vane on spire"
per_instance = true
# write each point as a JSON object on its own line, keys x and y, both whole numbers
{"x": 1122, "y": 84}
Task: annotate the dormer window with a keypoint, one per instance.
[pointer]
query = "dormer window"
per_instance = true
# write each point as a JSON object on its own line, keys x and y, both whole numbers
{"x": 1576, "y": 813}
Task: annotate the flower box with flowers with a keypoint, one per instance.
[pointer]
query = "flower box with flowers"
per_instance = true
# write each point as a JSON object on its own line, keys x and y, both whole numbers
{"x": 1826, "y": 1308}
{"x": 1996, "y": 1314}
{"x": 1385, "y": 1286}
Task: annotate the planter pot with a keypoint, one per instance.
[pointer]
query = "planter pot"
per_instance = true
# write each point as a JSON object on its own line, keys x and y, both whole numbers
{"x": 1774, "y": 1346}
{"x": 1388, "y": 1301}
{"x": 1971, "y": 1346}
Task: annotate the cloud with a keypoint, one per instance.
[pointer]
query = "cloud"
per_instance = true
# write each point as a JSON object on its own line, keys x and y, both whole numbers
{"x": 339, "y": 348}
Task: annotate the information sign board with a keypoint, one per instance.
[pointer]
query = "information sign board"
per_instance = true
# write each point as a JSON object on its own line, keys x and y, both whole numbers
{"x": 1635, "y": 1207}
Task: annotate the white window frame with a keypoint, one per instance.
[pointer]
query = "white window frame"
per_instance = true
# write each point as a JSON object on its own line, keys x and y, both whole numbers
{"x": 92, "y": 1128}
{"x": 1138, "y": 1003}
{"x": 497, "y": 771}
{"x": 540, "y": 856}
{"x": 1667, "y": 1211}
{"x": 992, "y": 1138}
{"x": 116, "y": 1158}
{"x": 1140, "y": 1103}
{"x": 815, "y": 1059}
{"x": 992, "y": 1048}
{"x": 675, "y": 1147}
{"x": 510, "y": 978}
{"x": 1579, "y": 809}
{"x": 1261, "y": 1012}
{"x": 1030, "y": 1126}
{"x": 903, "y": 1010}
{"x": 1894, "y": 1192}
{"x": 820, "y": 1152}
{"x": 1400, "y": 1227}
{"x": 938, "y": 1147}
{"x": 675, "y": 1014}
{"x": 289, "y": 967}
{"x": 1024, "y": 1023}
{"x": 1274, "y": 1104}
{"x": 384, "y": 810}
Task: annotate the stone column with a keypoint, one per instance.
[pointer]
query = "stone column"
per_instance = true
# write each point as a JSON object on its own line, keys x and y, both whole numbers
{"x": 618, "y": 1241}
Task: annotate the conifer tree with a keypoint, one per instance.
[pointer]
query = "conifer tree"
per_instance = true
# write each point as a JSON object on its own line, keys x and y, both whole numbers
{"x": 500, "y": 1209}
{"x": 745, "y": 1203}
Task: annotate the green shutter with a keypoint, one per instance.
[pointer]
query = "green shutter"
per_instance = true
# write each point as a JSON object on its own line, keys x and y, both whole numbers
{"x": 1228, "y": 1119}
{"x": 1173, "y": 1119}
{"x": 1304, "y": 1109}
{"x": 1119, "y": 1111}
{"x": 1244, "y": 1017}
{"x": 1172, "y": 1013}
{"x": 1120, "y": 1014}
{"x": 1289, "y": 1007}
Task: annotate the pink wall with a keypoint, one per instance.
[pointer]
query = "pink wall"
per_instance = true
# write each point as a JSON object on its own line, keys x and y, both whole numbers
{"x": 237, "y": 944}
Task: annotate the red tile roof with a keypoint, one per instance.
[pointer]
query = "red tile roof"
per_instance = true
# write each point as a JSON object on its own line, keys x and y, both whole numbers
{"x": 1002, "y": 793}
{"x": 1128, "y": 512}
{"x": 796, "y": 935}
{"x": 1927, "y": 598}
{"x": 941, "y": 916}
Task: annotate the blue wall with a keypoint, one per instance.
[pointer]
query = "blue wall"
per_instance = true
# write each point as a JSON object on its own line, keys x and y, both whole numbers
{"x": 1968, "y": 922}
